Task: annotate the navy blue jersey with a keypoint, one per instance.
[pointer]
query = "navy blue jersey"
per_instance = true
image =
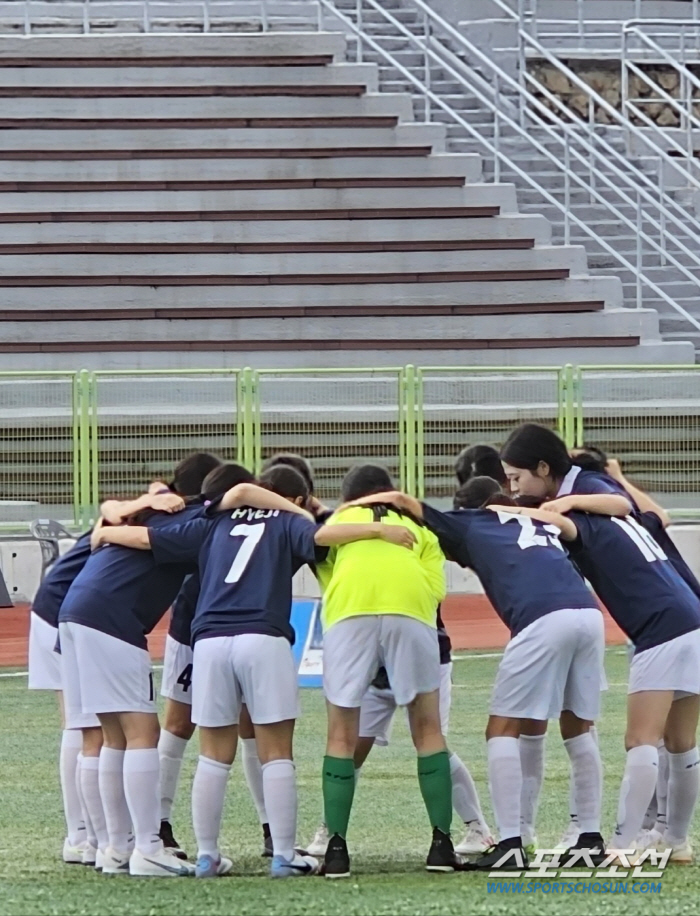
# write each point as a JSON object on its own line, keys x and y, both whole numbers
{"x": 653, "y": 524}
{"x": 521, "y": 564}
{"x": 124, "y": 592}
{"x": 634, "y": 579}
{"x": 54, "y": 586}
{"x": 182, "y": 614}
{"x": 591, "y": 483}
{"x": 246, "y": 558}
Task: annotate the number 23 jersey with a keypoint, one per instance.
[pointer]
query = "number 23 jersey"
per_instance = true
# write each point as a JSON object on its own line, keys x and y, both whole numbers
{"x": 247, "y": 558}
{"x": 521, "y": 563}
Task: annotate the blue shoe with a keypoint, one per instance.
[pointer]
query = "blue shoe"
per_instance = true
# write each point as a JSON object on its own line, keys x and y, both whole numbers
{"x": 209, "y": 867}
{"x": 297, "y": 868}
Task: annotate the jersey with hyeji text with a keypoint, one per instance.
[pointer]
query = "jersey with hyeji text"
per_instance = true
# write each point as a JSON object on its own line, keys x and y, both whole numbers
{"x": 634, "y": 579}
{"x": 247, "y": 558}
{"x": 124, "y": 592}
{"x": 521, "y": 563}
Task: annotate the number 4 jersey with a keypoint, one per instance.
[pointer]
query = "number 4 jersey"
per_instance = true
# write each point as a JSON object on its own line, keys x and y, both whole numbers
{"x": 634, "y": 579}
{"x": 520, "y": 562}
{"x": 246, "y": 559}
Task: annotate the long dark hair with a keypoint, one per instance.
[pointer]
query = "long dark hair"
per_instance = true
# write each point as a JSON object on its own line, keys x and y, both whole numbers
{"x": 530, "y": 443}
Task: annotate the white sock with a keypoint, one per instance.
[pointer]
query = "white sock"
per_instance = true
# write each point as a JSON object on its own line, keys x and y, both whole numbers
{"x": 662, "y": 789}
{"x": 90, "y": 785}
{"x": 280, "y": 788}
{"x": 171, "y": 750}
{"x": 505, "y": 784}
{"x": 142, "y": 790}
{"x": 253, "y": 775}
{"x": 593, "y": 732}
{"x": 465, "y": 798}
{"x": 113, "y": 798}
{"x": 638, "y": 783}
{"x": 90, "y": 838}
{"x": 587, "y": 779}
{"x": 531, "y": 749}
{"x": 208, "y": 794}
{"x": 71, "y": 744}
{"x": 683, "y": 787}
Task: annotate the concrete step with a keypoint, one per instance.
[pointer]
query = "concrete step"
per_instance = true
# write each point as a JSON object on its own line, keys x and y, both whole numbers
{"x": 245, "y": 108}
{"x": 277, "y": 267}
{"x": 252, "y": 232}
{"x": 135, "y": 139}
{"x": 401, "y": 168}
{"x": 288, "y": 201}
{"x": 167, "y": 80}
{"x": 501, "y": 292}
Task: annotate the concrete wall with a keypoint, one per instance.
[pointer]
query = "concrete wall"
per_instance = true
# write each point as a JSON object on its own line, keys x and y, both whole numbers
{"x": 20, "y": 562}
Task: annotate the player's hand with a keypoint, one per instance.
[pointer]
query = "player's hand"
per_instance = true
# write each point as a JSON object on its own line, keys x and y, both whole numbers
{"x": 95, "y": 537}
{"x": 111, "y": 511}
{"x": 397, "y": 534}
{"x": 514, "y": 510}
{"x": 392, "y": 497}
{"x": 158, "y": 486}
{"x": 562, "y": 505}
{"x": 613, "y": 468}
{"x": 168, "y": 502}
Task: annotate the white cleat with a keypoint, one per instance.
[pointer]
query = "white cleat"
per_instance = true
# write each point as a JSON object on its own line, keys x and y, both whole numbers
{"x": 73, "y": 855}
{"x": 319, "y": 844}
{"x": 100, "y": 859}
{"x": 648, "y": 839}
{"x": 569, "y": 837}
{"x": 160, "y": 864}
{"x": 89, "y": 855}
{"x": 476, "y": 840}
{"x": 681, "y": 853}
{"x": 115, "y": 862}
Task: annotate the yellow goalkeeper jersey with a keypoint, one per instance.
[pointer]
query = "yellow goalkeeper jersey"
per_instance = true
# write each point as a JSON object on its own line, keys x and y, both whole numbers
{"x": 375, "y": 577}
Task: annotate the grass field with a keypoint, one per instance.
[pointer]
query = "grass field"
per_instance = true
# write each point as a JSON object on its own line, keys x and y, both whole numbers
{"x": 388, "y": 832}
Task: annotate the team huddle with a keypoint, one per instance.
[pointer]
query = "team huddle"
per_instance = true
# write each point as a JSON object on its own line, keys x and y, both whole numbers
{"x": 544, "y": 530}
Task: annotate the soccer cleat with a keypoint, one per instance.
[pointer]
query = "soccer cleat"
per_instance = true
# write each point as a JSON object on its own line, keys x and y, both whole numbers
{"x": 115, "y": 862}
{"x": 169, "y": 841}
{"x": 648, "y": 839}
{"x": 503, "y": 855}
{"x": 442, "y": 856}
{"x": 592, "y": 843}
{"x": 319, "y": 844}
{"x": 681, "y": 853}
{"x": 336, "y": 863}
{"x": 160, "y": 864}
{"x": 267, "y": 852}
{"x": 569, "y": 837}
{"x": 73, "y": 855}
{"x": 209, "y": 867}
{"x": 530, "y": 846}
{"x": 476, "y": 840}
{"x": 299, "y": 867}
{"x": 89, "y": 855}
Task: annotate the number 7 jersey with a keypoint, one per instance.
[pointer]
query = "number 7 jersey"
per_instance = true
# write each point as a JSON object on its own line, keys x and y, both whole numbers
{"x": 521, "y": 563}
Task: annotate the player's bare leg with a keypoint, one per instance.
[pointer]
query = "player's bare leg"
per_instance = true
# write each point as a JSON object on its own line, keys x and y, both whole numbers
{"x": 175, "y": 734}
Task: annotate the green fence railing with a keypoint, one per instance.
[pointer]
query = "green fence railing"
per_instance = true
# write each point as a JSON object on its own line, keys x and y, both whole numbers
{"x": 70, "y": 439}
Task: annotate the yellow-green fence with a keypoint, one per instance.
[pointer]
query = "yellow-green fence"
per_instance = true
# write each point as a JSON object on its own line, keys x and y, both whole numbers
{"x": 70, "y": 439}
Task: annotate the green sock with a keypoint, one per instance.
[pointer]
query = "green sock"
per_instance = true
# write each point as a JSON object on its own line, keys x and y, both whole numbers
{"x": 435, "y": 781}
{"x": 338, "y": 793}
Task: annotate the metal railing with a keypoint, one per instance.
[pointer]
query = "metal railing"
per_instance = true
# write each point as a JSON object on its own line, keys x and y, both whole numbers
{"x": 71, "y": 439}
{"x": 148, "y": 16}
{"x": 584, "y": 159}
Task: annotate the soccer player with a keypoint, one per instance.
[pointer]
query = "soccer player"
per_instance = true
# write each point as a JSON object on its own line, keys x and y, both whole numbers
{"x": 479, "y": 461}
{"x": 379, "y": 608}
{"x": 552, "y": 663}
{"x": 111, "y": 606}
{"x": 242, "y": 649}
{"x": 655, "y": 608}
{"x": 45, "y": 673}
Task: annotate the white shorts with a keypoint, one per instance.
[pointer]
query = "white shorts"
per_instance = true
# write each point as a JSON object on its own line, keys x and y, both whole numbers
{"x": 378, "y": 708}
{"x": 356, "y": 647}
{"x": 674, "y": 665}
{"x": 252, "y": 668}
{"x": 44, "y": 664}
{"x": 103, "y": 674}
{"x": 553, "y": 664}
{"x": 177, "y": 672}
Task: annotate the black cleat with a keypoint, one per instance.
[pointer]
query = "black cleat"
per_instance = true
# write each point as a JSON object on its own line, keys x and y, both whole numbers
{"x": 267, "y": 852}
{"x": 337, "y": 861}
{"x": 169, "y": 841}
{"x": 592, "y": 843}
{"x": 442, "y": 856}
{"x": 508, "y": 855}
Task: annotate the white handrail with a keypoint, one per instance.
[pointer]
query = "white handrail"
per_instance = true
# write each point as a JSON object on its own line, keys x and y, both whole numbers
{"x": 640, "y": 188}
